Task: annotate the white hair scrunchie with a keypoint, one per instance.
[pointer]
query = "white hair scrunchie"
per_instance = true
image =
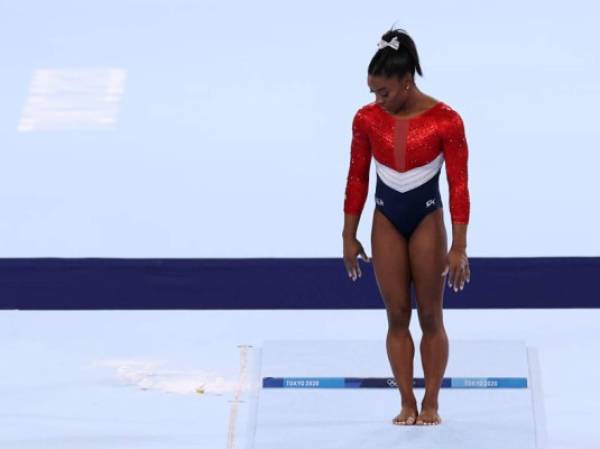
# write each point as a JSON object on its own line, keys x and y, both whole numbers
{"x": 394, "y": 43}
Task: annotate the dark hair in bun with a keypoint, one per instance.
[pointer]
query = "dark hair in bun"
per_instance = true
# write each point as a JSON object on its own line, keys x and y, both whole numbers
{"x": 388, "y": 62}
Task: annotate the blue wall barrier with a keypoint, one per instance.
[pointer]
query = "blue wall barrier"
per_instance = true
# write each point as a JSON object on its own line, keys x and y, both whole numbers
{"x": 105, "y": 283}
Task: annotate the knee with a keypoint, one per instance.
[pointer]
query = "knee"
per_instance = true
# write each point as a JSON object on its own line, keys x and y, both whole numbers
{"x": 431, "y": 321}
{"x": 399, "y": 318}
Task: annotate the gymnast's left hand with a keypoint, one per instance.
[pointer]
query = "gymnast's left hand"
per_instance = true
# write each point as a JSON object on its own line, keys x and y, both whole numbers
{"x": 457, "y": 268}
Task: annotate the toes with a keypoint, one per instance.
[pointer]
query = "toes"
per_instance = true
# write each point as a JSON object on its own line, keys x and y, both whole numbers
{"x": 435, "y": 422}
{"x": 403, "y": 422}
{"x": 399, "y": 421}
{"x": 404, "y": 418}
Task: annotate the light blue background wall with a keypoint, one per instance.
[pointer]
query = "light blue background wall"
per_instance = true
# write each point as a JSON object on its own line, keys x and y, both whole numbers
{"x": 233, "y": 132}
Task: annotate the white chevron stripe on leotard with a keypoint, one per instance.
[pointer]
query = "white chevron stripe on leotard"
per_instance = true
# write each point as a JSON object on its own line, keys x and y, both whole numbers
{"x": 408, "y": 180}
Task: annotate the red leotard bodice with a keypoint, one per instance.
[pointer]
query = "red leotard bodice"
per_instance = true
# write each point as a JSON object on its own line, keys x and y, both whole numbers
{"x": 404, "y": 144}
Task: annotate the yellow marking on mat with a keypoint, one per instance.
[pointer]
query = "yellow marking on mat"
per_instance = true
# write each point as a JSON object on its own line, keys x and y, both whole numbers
{"x": 235, "y": 403}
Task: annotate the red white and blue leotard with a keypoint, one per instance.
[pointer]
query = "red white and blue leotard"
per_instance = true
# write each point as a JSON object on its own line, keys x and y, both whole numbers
{"x": 408, "y": 153}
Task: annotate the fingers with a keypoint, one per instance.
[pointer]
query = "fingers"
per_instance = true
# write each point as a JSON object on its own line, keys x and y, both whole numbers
{"x": 351, "y": 260}
{"x": 466, "y": 276}
{"x": 451, "y": 274}
{"x": 461, "y": 281}
{"x": 354, "y": 272}
{"x": 460, "y": 275}
{"x": 458, "y": 272}
{"x": 364, "y": 256}
{"x": 352, "y": 268}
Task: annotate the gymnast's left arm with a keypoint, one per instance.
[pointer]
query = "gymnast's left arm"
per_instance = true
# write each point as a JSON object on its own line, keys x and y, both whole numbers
{"x": 456, "y": 154}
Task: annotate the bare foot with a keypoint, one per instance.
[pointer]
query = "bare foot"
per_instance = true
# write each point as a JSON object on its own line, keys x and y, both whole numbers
{"x": 428, "y": 417}
{"x": 407, "y": 416}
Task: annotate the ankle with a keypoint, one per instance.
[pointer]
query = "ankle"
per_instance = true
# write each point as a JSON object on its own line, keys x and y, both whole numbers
{"x": 429, "y": 404}
{"x": 409, "y": 403}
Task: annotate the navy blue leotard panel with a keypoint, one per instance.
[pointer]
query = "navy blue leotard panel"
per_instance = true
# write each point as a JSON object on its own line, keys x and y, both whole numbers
{"x": 406, "y": 210}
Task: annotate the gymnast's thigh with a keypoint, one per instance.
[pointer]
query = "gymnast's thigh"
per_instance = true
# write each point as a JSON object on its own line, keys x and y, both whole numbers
{"x": 390, "y": 263}
{"x": 427, "y": 250}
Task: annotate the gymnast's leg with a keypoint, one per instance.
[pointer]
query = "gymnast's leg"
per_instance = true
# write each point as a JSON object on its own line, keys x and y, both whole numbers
{"x": 427, "y": 249}
{"x": 392, "y": 273}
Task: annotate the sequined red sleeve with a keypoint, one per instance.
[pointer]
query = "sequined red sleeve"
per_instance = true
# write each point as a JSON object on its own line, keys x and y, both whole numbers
{"x": 455, "y": 149}
{"x": 357, "y": 183}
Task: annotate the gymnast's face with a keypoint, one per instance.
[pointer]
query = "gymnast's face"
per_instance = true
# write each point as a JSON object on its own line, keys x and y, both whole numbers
{"x": 390, "y": 93}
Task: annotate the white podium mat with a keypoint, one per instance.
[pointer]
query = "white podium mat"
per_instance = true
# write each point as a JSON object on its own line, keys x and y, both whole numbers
{"x": 361, "y": 418}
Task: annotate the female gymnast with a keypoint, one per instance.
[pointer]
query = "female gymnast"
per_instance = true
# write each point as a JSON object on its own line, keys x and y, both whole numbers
{"x": 409, "y": 135}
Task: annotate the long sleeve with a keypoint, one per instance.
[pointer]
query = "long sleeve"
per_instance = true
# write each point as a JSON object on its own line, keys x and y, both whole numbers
{"x": 456, "y": 155}
{"x": 357, "y": 183}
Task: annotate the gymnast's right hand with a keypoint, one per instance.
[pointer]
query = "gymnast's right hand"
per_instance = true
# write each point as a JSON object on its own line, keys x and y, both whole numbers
{"x": 353, "y": 249}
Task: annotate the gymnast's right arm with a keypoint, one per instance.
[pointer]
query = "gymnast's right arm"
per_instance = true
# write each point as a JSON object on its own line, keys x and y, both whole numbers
{"x": 357, "y": 186}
